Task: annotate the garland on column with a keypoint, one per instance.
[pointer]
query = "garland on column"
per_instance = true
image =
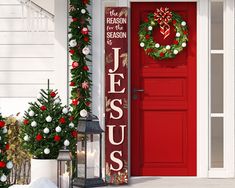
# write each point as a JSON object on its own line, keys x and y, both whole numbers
{"x": 79, "y": 42}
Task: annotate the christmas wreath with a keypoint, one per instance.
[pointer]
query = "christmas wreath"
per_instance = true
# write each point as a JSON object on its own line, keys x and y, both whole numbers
{"x": 163, "y": 17}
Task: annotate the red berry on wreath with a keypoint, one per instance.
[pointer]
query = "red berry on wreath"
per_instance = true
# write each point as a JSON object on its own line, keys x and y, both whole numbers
{"x": 62, "y": 120}
{"x": 39, "y": 137}
{"x": 176, "y": 42}
{"x": 75, "y": 19}
{"x": 2, "y": 124}
{"x": 7, "y": 147}
{"x": 52, "y": 94}
{"x": 174, "y": 22}
{"x": 71, "y": 118}
{"x": 43, "y": 108}
{"x": 57, "y": 138}
{"x": 85, "y": 68}
{"x": 75, "y": 102}
{"x": 75, "y": 64}
{"x": 26, "y": 122}
{"x": 148, "y": 50}
{"x": 72, "y": 51}
{"x": 74, "y": 134}
{"x": 88, "y": 103}
{"x": 72, "y": 84}
{"x": 146, "y": 20}
{"x": 162, "y": 54}
{"x": 86, "y": 39}
{"x": 185, "y": 32}
{"x": 2, "y": 164}
{"x": 147, "y": 37}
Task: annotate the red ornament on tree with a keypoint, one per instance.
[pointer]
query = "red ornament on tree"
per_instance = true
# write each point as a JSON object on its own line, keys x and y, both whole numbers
{"x": 62, "y": 120}
{"x": 147, "y": 37}
{"x": 2, "y": 124}
{"x": 86, "y": 39}
{"x": 52, "y": 94}
{"x": 75, "y": 19}
{"x": 26, "y": 122}
{"x": 7, "y": 147}
{"x": 85, "y": 68}
{"x": 75, "y": 102}
{"x": 71, "y": 118}
{"x": 88, "y": 103}
{"x": 74, "y": 134}
{"x": 146, "y": 20}
{"x": 162, "y": 54}
{"x": 2, "y": 164}
{"x": 84, "y": 31}
{"x": 43, "y": 108}
{"x": 85, "y": 2}
{"x": 174, "y": 22}
{"x": 175, "y": 42}
{"x": 39, "y": 137}
{"x": 75, "y": 64}
{"x": 57, "y": 138}
{"x": 72, "y": 51}
{"x": 72, "y": 84}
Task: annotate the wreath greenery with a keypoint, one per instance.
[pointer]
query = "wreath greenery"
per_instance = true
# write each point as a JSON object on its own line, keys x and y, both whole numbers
{"x": 153, "y": 48}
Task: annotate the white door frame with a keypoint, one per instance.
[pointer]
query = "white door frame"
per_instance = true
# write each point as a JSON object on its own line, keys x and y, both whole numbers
{"x": 203, "y": 50}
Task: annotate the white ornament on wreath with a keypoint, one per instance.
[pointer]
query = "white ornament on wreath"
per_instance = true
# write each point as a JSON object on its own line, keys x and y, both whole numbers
{"x": 46, "y": 130}
{"x": 168, "y": 47}
{"x": 184, "y": 44}
{"x": 83, "y": 113}
{"x": 157, "y": 45}
{"x": 70, "y": 35}
{"x": 183, "y": 23}
{"x": 58, "y": 129}
{"x": 9, "y": 165}
{"x": 73, "y": 43}
{"x": 26, "y": 138}
{"x": 150, "y": 28}
{"x": 175, "y": 52}
{"x": 71, "y": 125}
{"x": 65, "y": 110}
{"x": 48, "y": 119}
{"x": 86, "y": 50}
{"x": 47, "y": 151}
{"x": 142, "y": 44}
{"x": 83, "y": 11}
{"x": 31, "y": 113}
{"x": 3, "y": 178}
{"x": 34, "y": 124}
{"x": 177, "y": 34}
{"x": 66, "y": 143}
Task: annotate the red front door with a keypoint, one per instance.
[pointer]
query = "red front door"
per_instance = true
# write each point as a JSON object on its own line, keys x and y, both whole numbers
{"x": 163, "y": 105}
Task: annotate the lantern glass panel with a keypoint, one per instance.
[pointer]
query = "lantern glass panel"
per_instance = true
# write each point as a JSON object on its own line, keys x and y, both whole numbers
{"x": 65, "y": 169}
{"x": 93, "y": 155}
{"x": 81, "y": 165}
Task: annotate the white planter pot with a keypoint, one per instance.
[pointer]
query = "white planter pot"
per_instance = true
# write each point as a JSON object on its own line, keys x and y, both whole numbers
{"x": 44, "y": 168}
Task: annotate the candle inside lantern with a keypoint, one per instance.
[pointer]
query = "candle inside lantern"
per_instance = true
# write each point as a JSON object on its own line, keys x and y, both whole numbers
{"x": 65, "y": 180}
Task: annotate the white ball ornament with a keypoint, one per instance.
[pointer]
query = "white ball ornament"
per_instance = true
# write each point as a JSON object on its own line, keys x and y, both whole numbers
{"x": 34, "y": 124}
{"x": 9, "y": 165}
{"x": 58, "y": 129}
{"x": 150, "y": 28}
{"x": 48, "y": 119}
{"x": 47, "y": 151}
{"x": 83, "y": 113}
{"x": 183, "y": 23}
{"x": 57, "y": 101}
{"x": 177, "y": 34}
{"x": 184, "y": 44}
{"x": 3, "y": 178}
{"x": 65, "y": 110}
{"x": 83, "y": 11}
{"x": 142, "y": 44}
{"x": 86, "y": 50}
{"x": 31, "y": 113}
{"x": 26, "y": 138}
{"x": 71, "y": 125}
{"x": 73, "y": 43}
{"x": 70, "y": 35}
{"x": 66, "y": 143}
{"x": 4, "y": 131}
{"x": 168, "y": 47}
{"x": 175, "y": 52}
{"x": 157, "y": 45}
{"x": 46, "y": 130}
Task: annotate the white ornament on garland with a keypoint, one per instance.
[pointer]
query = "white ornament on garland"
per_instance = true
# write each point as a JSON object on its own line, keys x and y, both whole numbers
{"x": 31, "y": 113}
{"x": 73, "y": 43}
{"x": 71, "y": 125}
{"x": 47, "y": 151}
{"x": 48, "y": 119}
{"x": 150, "y": 28}
{"x": 157, "y": 45}
{"x": 70, "y": 35}
{"x": 66, "y": 143}
{"x": 175, "y": 52}
{"x": 86, "y": 50}
{"x": 9, "y": 165}
{"x": 65, "y": 110}
{"x": 184, "y": 44}
{"x": 57, "y": 101}
{"x": 83, "y": 11}
{"x": 4, "y": 131}
{"x": 34, "y": 124}
{"x": 58, "y": 129}
{"x": 3, "y": 178}
{"x": 26, "y": 138}
{"x": 83, "y": 113}
{"x": 46, "y": 130}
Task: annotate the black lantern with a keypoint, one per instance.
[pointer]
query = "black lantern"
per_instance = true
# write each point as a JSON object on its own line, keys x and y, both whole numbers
{"x": 89, "y": 153}
{"x": 64, "y": 169}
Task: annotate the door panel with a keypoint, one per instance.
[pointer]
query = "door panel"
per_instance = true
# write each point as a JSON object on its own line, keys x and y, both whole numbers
{"x": 163, "y": 128}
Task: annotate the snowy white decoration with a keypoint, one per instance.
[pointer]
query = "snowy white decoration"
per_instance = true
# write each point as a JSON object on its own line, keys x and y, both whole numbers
{"x": 4, "y": 131}
{"x": 70, "y": 35}
{"x": 71, "y": 125}
{"x": 175, "y": 52}
{"x": 73, "y": 43}
{"x": 39, "y": 183}
{"x": 47, "y": 151}
{"x": 177, "y": 34}
{"x": 66, "y": 143}
{"x": 3, "y": 178}
{"x": 0, "y": 138}
{"x": 9, "y": 165}
{"x": 157, "y": 45}
{"x": 86, "y": 50}
{"x": 48, "y": 119}
{"x": 46, "y": 130}
{"x": 58, "y": 129}
{"x": 150, "y": 28}
{"x": 39, "y": 96}
{"x": 26, "y": 138}
{"x": 184, "y": 44}
{"x": 57, "y": 101}
{"x": 142, "y": 44}
{"x": 83, "y": 113}
{"x": 183, "y": 23}
{"x": 168, "y": 47}
{"x": 31, "y": 113}
{"x": 83, "y": 11}
{"x": 65, "y": 110}
{"x": 34, "y": 124}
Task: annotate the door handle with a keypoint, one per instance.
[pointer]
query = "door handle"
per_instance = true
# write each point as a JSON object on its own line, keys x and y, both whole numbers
{"x": 135, "y": 93}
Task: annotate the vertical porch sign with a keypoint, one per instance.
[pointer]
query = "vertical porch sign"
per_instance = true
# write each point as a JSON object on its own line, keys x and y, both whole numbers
{"x": 116, "y": 94}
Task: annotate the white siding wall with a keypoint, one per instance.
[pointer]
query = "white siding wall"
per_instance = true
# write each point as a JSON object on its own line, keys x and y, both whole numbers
{"x": 26, "y": 58}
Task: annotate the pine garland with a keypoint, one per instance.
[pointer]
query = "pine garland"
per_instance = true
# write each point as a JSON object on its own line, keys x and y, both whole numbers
{"x": 79, "y": 42}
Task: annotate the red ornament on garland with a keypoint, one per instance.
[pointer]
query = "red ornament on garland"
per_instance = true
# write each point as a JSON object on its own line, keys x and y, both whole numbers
{"x": 85, "y": 85}
{"x": 146, "y": 20}
{"x": 86, "y": 39}
{"x": 43, "y": 108}
{"x": 2, "y": 124}
{"x": 2, "y": 164}
{"x": 71, "y": 118}
{"x": 62, "y": 120}
{"x": 26, "y": 122}
{"x": 75, "y": 102}
{"x": 72, "y": 84}
{"x": 176, "y": 42}
{"x": 147, "y": 37}
{"x": 57, "y": 138}
{"x": 174, "y": 22}
{"x": 39, "y": 137}
{"x": 7, "y": 147}
{"x": 75, "y": 19}
{"x": 72, "y": 51}
{"x": 161, "y": 54}
{"x": 85, "y": 2}
{"x": 84, "y": 31}
{"x": 85, "y": 68}
{"x": 74, "y": 134}
{"x": 75, "y": 64}
{"x": 52, "y": 94}
{"x": 88, "y": 103}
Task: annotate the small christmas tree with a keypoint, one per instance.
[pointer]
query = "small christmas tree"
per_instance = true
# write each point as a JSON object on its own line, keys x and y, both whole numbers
{"x": 47, "y": 126}
{"x": 5, "y": 164}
